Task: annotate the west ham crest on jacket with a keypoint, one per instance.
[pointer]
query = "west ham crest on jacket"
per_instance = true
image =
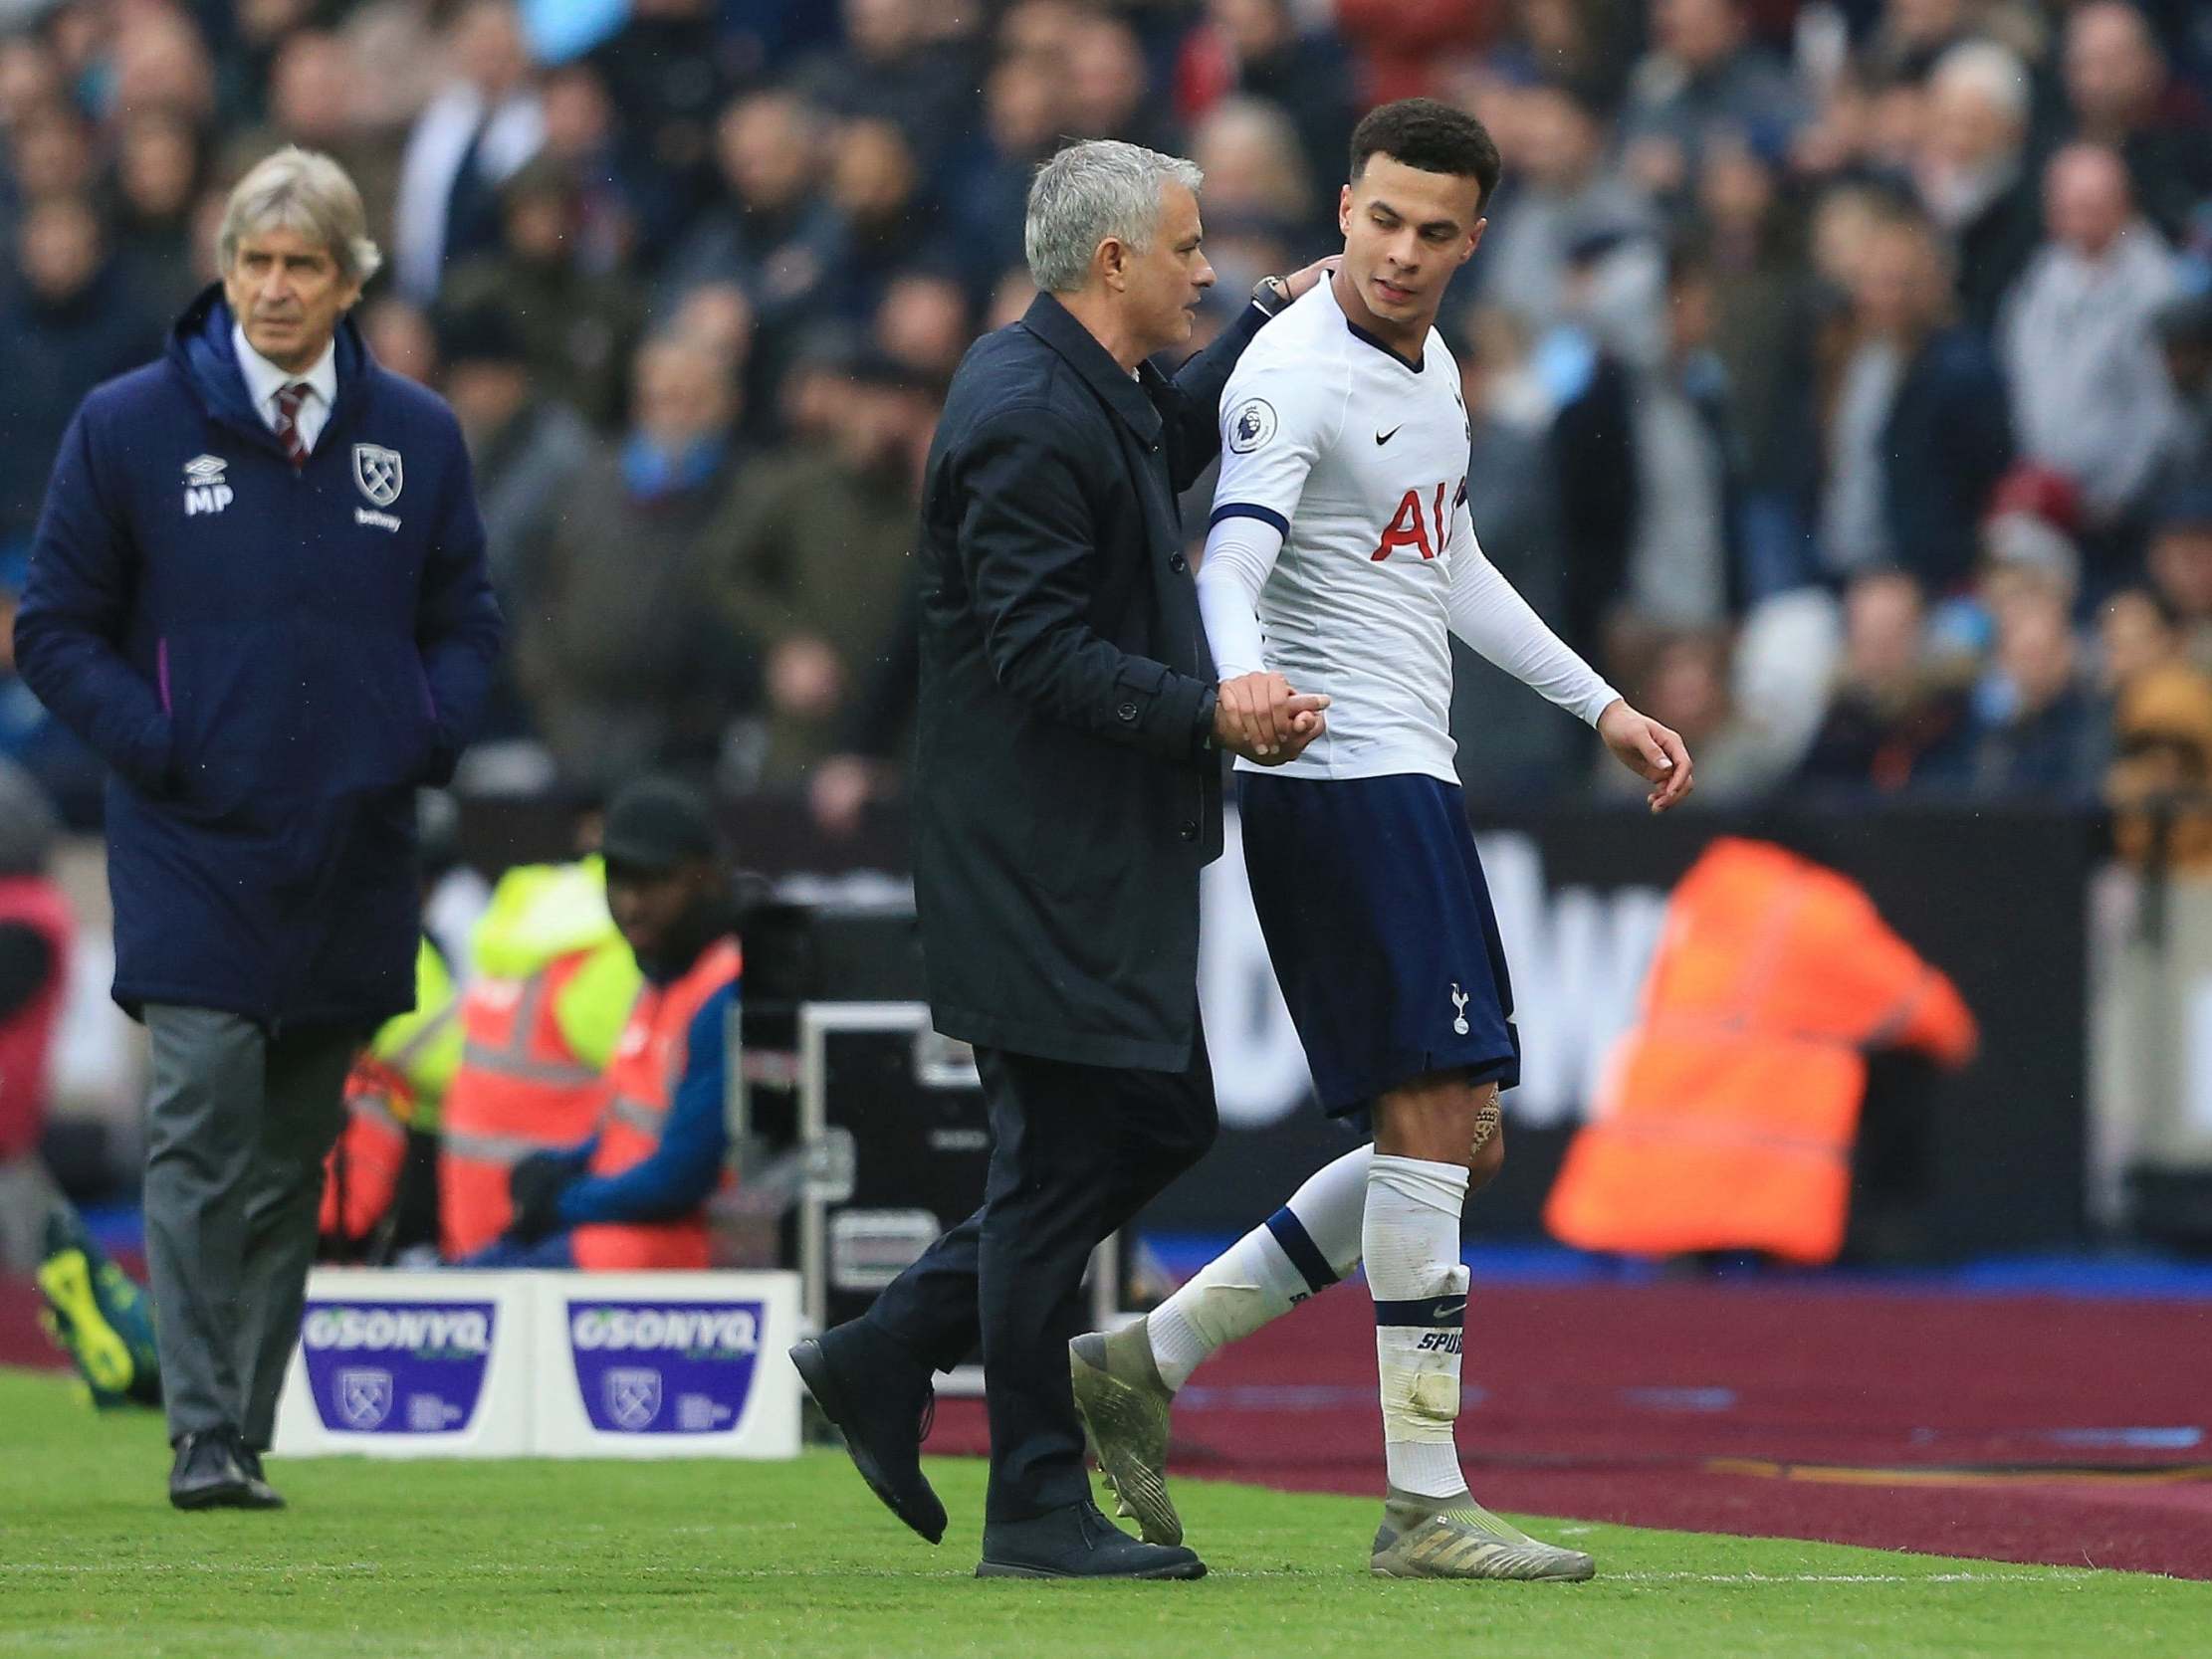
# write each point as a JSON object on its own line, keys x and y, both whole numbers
{"x": 377, "y": 471}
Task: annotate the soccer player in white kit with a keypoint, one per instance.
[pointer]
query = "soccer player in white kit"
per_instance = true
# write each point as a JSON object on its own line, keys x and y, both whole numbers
{"x": 1340, "y": 554}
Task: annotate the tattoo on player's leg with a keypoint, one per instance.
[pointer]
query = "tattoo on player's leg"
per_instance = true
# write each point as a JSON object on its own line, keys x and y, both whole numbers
{"x": 1488, "y": 1116}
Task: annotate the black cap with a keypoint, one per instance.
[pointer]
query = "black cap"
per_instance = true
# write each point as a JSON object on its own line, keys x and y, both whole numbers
{"x": 657, "y": 823}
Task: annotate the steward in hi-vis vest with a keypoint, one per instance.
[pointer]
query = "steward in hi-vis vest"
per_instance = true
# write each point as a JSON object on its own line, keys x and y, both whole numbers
{"x": 633, "y": 1196}
{"x": 553, "y": 987}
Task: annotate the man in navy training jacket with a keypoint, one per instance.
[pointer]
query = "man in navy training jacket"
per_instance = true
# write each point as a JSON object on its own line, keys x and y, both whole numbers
{"x": 257, "y": 591}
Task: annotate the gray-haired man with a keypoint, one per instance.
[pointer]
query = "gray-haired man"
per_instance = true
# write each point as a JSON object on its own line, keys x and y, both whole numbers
{"x": 257, "y": 591}
{"x": 1067, "y": 792}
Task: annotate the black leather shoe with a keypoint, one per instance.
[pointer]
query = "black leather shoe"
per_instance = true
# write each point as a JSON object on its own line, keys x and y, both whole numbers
{"x": 882, "y": 1402}
{"x": 260, "y": 1495}
{"x": 1078, "y": 1541}
{"x": 206, "y": 1474}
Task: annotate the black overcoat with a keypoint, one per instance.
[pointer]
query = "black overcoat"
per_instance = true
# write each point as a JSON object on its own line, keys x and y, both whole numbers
{"x": 1064, "y": 799}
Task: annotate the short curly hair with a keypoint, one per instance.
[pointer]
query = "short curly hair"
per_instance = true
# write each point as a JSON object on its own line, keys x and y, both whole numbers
{"x": 1433, "y": 136}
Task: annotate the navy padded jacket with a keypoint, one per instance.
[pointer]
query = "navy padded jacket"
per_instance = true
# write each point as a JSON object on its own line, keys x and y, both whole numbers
{"x": 271, "y": 662}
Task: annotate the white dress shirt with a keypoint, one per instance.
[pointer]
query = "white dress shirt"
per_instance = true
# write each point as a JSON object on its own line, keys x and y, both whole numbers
{"x": 264, "y": 380}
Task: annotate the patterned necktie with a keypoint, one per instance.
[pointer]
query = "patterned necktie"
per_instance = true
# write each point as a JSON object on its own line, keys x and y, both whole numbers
{"x": 288, "y": 399}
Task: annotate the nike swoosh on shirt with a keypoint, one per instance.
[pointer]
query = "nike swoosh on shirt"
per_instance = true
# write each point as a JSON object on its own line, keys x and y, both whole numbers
{"x": 1386, "y": 437}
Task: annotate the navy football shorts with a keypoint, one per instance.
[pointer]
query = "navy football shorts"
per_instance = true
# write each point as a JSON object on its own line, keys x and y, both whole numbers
{"x": 1379, "y": 925}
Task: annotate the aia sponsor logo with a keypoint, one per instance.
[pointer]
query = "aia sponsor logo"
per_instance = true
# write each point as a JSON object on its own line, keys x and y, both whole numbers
{"x": 1418, "y": 524}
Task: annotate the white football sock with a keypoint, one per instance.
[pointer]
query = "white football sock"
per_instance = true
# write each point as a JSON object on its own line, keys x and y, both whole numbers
{"x": 1421, "y": 1297}
{"x": 1303, "y": 1248}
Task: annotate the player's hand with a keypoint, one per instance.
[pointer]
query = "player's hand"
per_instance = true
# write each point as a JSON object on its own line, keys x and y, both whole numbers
{"x": 1300, "y": 280}
{"x": 1305, "y": 726}
{"x": 1650, "y": 750}
{"x": 1259, "y": 716}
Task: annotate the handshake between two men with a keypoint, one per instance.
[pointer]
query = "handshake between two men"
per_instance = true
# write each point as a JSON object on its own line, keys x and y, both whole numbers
{"x": 1262, "y": 718}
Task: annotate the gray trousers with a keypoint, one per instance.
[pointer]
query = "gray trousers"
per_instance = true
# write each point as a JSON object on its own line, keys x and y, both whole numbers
{"x": 238, "y": 1125}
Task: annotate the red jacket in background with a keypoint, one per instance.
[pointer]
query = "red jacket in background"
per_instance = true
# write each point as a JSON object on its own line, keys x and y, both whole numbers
{"x": 1404, "y": 45}
{"x": 27, "y": 1035}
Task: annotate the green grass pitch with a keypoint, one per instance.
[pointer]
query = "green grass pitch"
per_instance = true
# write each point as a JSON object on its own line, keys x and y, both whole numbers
{"x": 543, "y": 1561}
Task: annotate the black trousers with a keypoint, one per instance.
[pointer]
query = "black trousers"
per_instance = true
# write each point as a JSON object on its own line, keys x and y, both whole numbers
{"x": 1076, "y": 1152}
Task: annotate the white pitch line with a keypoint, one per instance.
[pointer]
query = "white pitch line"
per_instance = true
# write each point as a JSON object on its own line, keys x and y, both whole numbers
{"x": 293, "y": 1569}
{"x": 229, "y": 1569}
{"x": 1839, "y": 1577}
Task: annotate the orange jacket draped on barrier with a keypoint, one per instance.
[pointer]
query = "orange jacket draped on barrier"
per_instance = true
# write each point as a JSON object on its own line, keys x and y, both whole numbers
{"x": 1724, "y": 1118}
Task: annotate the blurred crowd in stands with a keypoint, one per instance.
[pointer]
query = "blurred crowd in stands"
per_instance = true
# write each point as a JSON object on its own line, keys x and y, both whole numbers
{"x": 1841, "y": 369}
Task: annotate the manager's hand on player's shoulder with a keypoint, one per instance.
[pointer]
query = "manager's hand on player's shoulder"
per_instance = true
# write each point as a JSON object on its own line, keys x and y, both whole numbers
{"x": 1260, "y": 716}
{"x": 1650, "y": 750}
{"x": 1301, "y": 280}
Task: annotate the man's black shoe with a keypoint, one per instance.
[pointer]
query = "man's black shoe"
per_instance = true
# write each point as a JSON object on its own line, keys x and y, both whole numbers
{"x": 260, "y": 1495}
{"x": 1078, "y": 1541}
{"x": 206, "y": 1474}
{"x": 882, "y": 1402}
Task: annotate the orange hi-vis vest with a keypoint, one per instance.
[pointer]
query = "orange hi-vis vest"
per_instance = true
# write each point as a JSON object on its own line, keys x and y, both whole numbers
{"x": 521, "y": 1089}
{"x": 396, "y": 1086}
{"x": 1724, "y": 1118}
{"x": 361, "y": 1174}
{"x": 648, "y": 1065}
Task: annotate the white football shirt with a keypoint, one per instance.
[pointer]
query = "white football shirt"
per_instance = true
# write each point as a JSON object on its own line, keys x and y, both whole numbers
{"x": 1358, "y": 457}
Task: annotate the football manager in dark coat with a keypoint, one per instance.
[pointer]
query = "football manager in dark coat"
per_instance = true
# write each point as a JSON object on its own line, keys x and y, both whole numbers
{"x": 1067, "y": 792}
{"x": 257, "y": 590}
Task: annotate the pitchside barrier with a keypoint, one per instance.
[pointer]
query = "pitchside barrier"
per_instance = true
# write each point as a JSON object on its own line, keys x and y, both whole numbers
{"x": 544, "y": 1365}
{"x": 1987, "y": 1159}
{"x": 1950, "y": 1164}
